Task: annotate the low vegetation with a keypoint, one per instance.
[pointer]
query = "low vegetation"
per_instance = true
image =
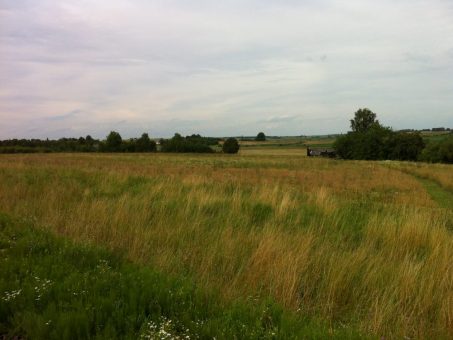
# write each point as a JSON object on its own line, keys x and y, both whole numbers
{"x": 438, "y": 151}
{"x": 51, "y": 288}
{"x": 260, "y": 137}
{"x": 230, "y": 145}
{"x": 189, "y": 144}
{"x": 113, "y": 143}
{"x": 359, "y": 245}
{"x": 369, "y": 140}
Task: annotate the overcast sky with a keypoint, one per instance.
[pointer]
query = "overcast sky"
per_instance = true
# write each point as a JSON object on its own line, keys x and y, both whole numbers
{"x": 236, "y": 67}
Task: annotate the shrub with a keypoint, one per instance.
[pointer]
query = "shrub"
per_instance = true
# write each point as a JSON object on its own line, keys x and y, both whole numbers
{"x": 438, "y": 151}
{"x": 260, "y": 137}
{"x": 405, "y": 146}
{"x": 370, "y": 145}
{"x": 231, "y": 145}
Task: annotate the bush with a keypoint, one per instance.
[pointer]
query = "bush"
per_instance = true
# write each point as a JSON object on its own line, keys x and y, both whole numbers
{"x": 438, "y": 152}
{"x": 405, "y": 146}
{"x": 260, "y": 137}
{"x": 231, "y": 145}
{"x": 197, "y": 139}
{"x": 369, "y": 145}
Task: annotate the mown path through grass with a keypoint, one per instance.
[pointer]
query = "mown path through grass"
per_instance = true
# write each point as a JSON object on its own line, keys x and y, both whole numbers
{"x": 441, "y": 196}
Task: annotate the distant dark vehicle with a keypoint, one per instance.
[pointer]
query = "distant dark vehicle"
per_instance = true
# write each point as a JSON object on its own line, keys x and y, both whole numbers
{"x": 321, "y": 152}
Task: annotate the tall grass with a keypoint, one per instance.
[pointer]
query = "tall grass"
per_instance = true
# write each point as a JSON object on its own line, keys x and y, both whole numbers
{"x": 355, "y": 243}
{"x": 440, "y": 173}
{"x": 54, "y": 289}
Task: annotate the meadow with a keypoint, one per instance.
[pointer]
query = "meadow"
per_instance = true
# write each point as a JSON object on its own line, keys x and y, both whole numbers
{"x": 354, "y": 245}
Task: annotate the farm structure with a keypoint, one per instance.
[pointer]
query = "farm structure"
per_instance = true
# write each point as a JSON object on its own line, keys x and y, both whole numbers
{"x": 321, "y": 152}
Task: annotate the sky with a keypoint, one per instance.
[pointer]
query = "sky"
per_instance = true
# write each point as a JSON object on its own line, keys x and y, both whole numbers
{"x": 222, "y": 68}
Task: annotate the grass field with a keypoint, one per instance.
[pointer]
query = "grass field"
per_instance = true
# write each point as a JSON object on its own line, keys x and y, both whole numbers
{"x": 55, "y": 289}
{"x": 435, "y": 136}
{"x": 361, "y": 246}
{"x": 285, "y": 143}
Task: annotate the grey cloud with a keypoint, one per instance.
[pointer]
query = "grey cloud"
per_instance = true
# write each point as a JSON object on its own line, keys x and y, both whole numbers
{"x": 281, "y": 119}
{"x": 295, "y": 67}
{"x": 65, "y": 116}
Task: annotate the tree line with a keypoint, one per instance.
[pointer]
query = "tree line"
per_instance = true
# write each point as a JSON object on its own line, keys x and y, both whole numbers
{"x": 115, "y": 143}
{"x": 369, "y": 140}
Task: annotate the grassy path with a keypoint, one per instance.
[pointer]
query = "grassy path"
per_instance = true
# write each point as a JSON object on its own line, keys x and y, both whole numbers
{"x": 443, "y": 197}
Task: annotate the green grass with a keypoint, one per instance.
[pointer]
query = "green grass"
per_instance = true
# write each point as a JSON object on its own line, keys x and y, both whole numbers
{"x": 275, "y": 145}
{"x": 441, "y": 194}
{"x": 360, "y": 244}
{"x": 443, "y": 197}
{"x": 436, "y": 137}
{"x": 51, "y": 288}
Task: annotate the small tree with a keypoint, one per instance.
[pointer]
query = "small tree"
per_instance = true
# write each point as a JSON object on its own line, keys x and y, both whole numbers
{"x": 260, "y": 137}
{"x": 145, "y": 144}
{"x": 114, "y": 141}
{"x": 364, "y": 120}
{"x": 231, "y": 145}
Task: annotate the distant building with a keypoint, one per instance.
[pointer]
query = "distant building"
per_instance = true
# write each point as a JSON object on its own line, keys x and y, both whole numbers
{"x": 321, "y": 152}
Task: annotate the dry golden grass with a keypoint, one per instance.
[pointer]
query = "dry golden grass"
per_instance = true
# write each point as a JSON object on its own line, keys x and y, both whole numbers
{"x": 272, "y": 141}
{"x": 352, "y": 242}
{"x": 440, "y": 173}
{"x": 273, "y": 151}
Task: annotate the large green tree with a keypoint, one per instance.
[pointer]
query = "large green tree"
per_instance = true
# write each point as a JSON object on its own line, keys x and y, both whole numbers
{"x": 113, "y": 142}
{"x": 372, "y": 141}
{"x": 145, "y": 144}
{"x": 364, "y": 120}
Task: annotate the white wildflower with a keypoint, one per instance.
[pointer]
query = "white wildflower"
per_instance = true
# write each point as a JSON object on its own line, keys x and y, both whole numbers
{"x": 11, "y": 295}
